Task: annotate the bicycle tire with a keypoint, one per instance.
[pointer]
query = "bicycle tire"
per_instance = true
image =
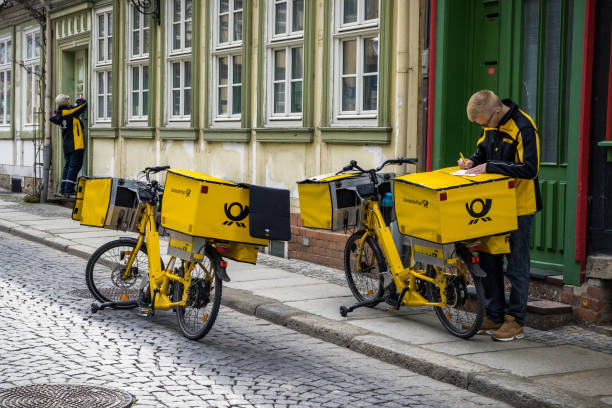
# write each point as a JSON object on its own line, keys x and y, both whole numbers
{"x": 199, "y": 316}
{"x": 104, "y": 276}
{"x": 364, "y": 284}
{"x": 463, "y": 321}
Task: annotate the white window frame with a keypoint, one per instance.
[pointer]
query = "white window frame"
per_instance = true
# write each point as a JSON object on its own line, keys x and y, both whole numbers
{"x": 138, "y": 61}
{"x": 359, "y": 31}
{"x": 228, "y": 49}
{"x": 30, "y": 63}
{"x": 5, "y": 71}
{"x": 276, "y": 42}
{"x": 104, "y": 66}
{"x": 180, "y": 55}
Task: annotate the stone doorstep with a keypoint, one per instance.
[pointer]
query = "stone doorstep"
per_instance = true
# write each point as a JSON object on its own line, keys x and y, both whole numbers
{"x": 548, "y": 307}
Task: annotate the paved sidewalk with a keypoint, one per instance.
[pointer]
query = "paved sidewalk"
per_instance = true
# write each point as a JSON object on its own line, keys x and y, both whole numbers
{"x": 538, "y": 371}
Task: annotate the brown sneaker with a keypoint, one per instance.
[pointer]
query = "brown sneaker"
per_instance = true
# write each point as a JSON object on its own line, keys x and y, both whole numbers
{"x": 509, "y": 331}
{"x": 487, "y": 327}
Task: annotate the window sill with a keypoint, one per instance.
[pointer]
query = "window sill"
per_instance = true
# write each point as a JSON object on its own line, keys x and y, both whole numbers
{"x": 103, "y": 132}
{"x": 133, "y": 132}
{"x": 227, "y": 135}
{"x": 368, "y": 135}
{"x": 169, "y": 133}
{"x": 284, "y": 135}
{"x": 6, "y": 134}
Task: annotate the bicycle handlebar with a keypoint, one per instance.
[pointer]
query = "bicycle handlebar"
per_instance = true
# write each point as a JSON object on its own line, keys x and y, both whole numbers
{"x": 400, "y": 160}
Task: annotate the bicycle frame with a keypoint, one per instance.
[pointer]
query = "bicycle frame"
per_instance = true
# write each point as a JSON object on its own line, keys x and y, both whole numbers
{"x": 159, "y": 279}
{"x": 374, "y": 223}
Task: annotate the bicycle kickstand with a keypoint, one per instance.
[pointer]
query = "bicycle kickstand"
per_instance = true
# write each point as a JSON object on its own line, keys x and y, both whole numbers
{"x": 346, "y": 310}
{"x": 95, "y": 307}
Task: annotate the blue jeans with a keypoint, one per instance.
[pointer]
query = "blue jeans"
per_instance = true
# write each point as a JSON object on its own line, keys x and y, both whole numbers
{"x": 517, "y": 273}
{"x": 74, "y": 162}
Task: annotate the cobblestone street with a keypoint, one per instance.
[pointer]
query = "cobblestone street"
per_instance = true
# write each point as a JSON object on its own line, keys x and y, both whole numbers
{"x": 49, "y": 336}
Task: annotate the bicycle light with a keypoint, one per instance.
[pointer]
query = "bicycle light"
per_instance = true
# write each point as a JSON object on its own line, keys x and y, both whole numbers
{"x": 223, "y": 264}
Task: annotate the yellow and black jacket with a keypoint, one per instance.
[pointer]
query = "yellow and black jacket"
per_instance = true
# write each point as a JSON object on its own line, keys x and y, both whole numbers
{"x": 513, "y": 149}
{"x": 67, "y": 118}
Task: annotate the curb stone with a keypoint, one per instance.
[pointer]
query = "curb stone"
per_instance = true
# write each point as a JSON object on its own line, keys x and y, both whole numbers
{"x": 514, "y": 390}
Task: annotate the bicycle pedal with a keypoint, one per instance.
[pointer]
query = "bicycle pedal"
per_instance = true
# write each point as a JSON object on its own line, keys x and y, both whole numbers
{"x": 145, "y": 311}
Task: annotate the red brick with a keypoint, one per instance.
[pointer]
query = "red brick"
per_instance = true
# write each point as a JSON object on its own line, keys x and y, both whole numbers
{"x": 567, "y": 297}
{"x": 579, "y": 313}
{"x": 595, "y": 304}
{"x": 594, "y": 292}
{"x": 592, "y": 316}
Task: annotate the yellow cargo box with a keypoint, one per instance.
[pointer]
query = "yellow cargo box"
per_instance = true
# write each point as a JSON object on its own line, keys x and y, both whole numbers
{"x": 332, "y": 202}
{"x": 202, "y": 206}
{"x": 440, "y": 207}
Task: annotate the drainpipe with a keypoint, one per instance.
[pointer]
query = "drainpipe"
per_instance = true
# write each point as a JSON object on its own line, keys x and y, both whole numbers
{"x": 431, "y": 79}
{"x": 584, "y": 138}
{"x": 47, "y": 145}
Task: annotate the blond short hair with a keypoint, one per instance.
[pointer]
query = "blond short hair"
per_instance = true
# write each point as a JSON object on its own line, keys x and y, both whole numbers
{"x": 483, "y": 101}
{"x": 62, "y": 100}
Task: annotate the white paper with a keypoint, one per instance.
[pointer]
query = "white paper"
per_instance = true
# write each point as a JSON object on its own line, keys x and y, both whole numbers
{"x": 462, "y": 173}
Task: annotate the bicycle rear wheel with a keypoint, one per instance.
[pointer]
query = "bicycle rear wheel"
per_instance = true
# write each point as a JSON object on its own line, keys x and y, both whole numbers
{"x": 105, "y": 273}
{"x": 198, "y": 316}
{"x": 464, "y": 310}
{"x": 364, "y": 278}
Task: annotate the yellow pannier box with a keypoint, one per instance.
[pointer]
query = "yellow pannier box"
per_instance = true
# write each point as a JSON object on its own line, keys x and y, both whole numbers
{"x": 202, "y": 206}
{"x": 440, "y": 207}
{"x": 332, "y": 202}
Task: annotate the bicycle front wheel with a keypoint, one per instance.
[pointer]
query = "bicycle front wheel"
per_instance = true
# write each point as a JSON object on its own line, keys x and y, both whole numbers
{"x": 464, "y": 310}
{"x": 105, "y": 272}
{"x": 364, "y": 275}
{"x": 198, "y": 316}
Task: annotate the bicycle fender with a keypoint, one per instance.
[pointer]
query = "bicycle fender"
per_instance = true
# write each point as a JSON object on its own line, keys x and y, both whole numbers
{"x": 222, "y": 273}
{"x": 476, "y": 270}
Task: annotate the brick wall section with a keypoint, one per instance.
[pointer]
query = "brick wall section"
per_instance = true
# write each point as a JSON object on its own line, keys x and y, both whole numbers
{"x": 324, "y": 248}
{"x": 591, "y": 302}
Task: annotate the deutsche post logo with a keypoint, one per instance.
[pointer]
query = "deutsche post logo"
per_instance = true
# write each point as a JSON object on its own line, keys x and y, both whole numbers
{"x": 230, "y": 213}
{"x": 478, "y": 209}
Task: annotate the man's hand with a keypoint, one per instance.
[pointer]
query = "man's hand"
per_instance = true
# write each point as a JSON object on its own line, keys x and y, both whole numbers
{"x": 467, "y": 164}
{"x": 480, "y": 169}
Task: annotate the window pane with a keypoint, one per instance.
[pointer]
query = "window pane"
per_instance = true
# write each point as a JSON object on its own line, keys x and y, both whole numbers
{"x": 109, "y": 106}
{"x": 279, "y": 65}
{"x": 1, "y": 53}
{"x": 530, "y": 57}
{"x": 222, "y": 100}
{"x": 223, "y": 71}
{"x": 237, "y": 69}
{"x": 145, "y": 78}
{"x": 370, "y": 92}
{"x": 109, "y": 48}
{"x": 349, "y": 91}
{"x": 145, "y": 103}
{"x": 188, "y": 34}
{"x": 29, "y": 47}
{"x": 279, "y": 98}
{"x": 296, "y": 96}
{"x": 176, "y": 11}
{"x": 135, "y": 19}
{"x": 135, "y": 43}
{"x": 8, "y": 97}
{"x": 101, "y": 106}
{"x": 176, "y": 36}
{"x": 223, "y": 6}
{"x": 100, "y": 25}
{"x": 100, "y": 50}
{"x": 9, "y": 54}
{"x": 297, "y": 61}
{"x": 238, "y": 26}
{"x": 223, "y": 27}
{"x": 176, "y": 75}
{"x": 371, "y": 9}
{"x": 176, "y": 102}
{"x": 236, "y": 99}
{"x": 298, "y": 15}
{"x": 135, "y": 111}
{"x": 350, "y": 11}
{"x": 187, "y": 102}
{"x": 135, "y": 78}
{"x": 550, "y": 97}
{"x": 187, "y": 9}
{"x": 370, "y": 55}
{"x": 349, "y": 56}
{"x": 146, "y": 41}
{"x": 237, "y": 5}
{"x": 110, "y": 24}
{"x": 187, "y": 80}
{"x": 280, "y": 21}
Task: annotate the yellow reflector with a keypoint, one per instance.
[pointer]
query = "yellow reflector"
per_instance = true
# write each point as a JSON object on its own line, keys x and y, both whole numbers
{"x": 205, "y": 318}
{"x": 124, "y": 297}
{"x": 370, "y": 292}
{"x": 128, "y": 252}
{"x": 448, "y": 315}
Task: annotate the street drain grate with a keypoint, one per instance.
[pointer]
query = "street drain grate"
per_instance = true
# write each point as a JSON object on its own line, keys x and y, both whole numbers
{"x": 64, "y": 396}
{"x": 81, "y": 293}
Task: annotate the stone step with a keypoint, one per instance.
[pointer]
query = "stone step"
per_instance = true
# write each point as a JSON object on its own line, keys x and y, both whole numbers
{"x": 546, "y": 314}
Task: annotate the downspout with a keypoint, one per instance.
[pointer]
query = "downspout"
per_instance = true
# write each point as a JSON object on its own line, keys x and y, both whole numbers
{"x": 431, "y": 79}
{"x": 47, "y": 145}
{"x": 584, "y": 138}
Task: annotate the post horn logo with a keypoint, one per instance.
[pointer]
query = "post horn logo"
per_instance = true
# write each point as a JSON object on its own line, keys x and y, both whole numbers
{"x": 478, "y": 209}
{"x": 243, "y": 212}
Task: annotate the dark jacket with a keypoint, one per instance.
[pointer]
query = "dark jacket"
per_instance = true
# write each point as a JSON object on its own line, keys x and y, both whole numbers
{"x": 67, "y": 118}
{"x": 513, "y": 149}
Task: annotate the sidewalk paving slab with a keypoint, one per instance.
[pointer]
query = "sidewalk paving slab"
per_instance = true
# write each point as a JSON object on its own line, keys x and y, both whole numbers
{"x": 522, "y": 373}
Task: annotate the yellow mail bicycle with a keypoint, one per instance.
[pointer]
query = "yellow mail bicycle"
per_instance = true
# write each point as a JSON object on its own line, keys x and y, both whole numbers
{"x": 430, "y": 274}
{"x": 129, "y": 273}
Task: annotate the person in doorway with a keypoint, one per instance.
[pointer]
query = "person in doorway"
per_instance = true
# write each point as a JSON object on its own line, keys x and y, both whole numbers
{"x": 67, "y": 117}
{"x": 509, "y": 145}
